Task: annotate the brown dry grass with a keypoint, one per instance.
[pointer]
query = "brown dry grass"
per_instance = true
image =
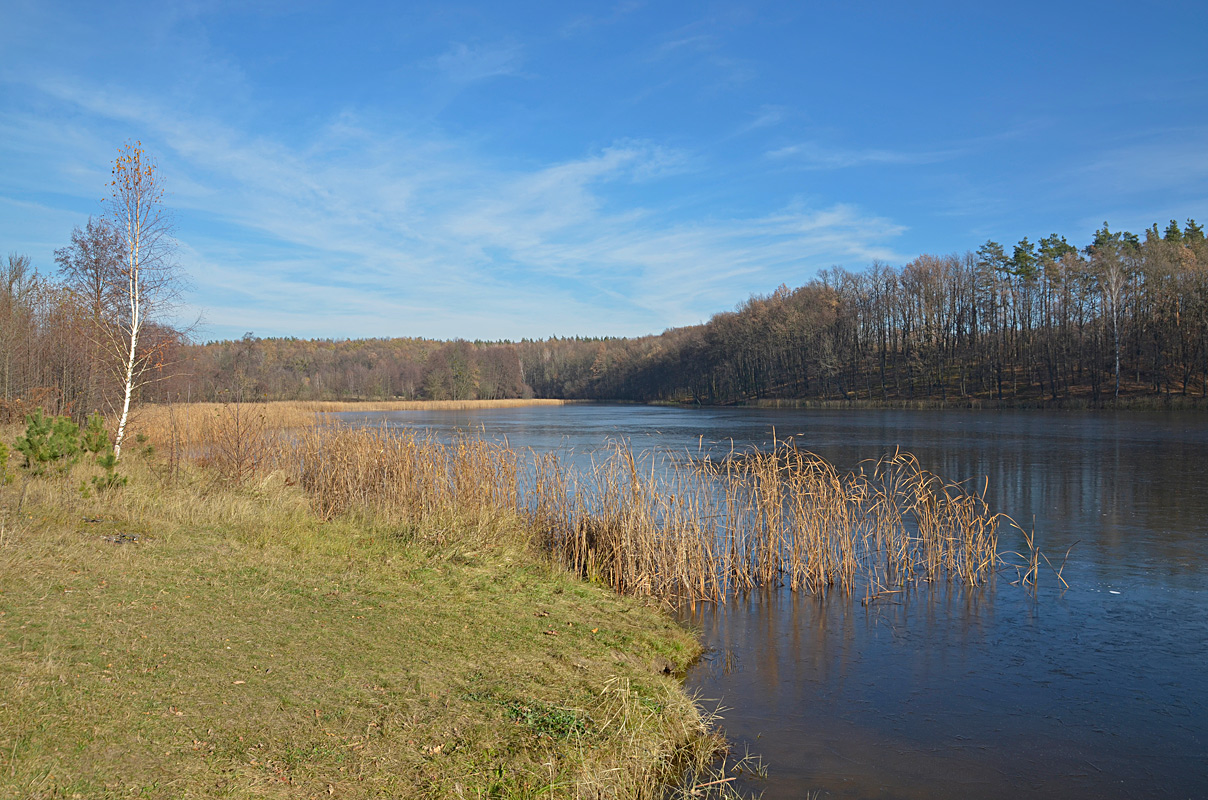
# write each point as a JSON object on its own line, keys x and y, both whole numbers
{"x": 221, "y": 432}
{"x": 701, "y": 530}
{"x": 670, "y": 528}
{"x": 666, "y": 527}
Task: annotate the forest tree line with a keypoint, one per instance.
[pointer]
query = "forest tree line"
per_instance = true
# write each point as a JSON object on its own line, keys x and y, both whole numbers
{"x": 1047, "y": 322}
{"x": 253, "y": 368}
{"x": 64, "y": 334}
{"x": 1123, "y": 316}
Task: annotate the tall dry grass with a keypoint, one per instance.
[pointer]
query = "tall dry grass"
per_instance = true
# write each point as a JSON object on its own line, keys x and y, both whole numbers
{"x": 195, "y": 423}
{"x": 400, "y": 475}
{"x": 241, "y": 437}
{"x": 659, "y": 525}
{"x": 672, "y": 527}
{"x": 699, "y": 529}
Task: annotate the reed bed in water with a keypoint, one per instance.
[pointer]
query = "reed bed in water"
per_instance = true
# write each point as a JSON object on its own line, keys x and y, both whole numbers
{"x": 684, "y": 528}
{"x": 701, "y": 530}
{"x": 202, "y": 425}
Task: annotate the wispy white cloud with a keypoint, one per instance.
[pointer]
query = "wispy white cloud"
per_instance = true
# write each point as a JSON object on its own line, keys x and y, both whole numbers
{"x": 467, "y": 63}
{"x": 1158, "y": 159}
{"x": 813, "y": 155}
{"x": 695, "y": 42}
{"x": 588, "y": 22}
{"x": 817, "y": 155}
{"x": 362, "y": 231}
{"x": 1150, "y": 176}
{"x": 36, "y": 226}
{"x": 615, "y": 169}
{"x": 768, "y": 116}
{"x": 700, "y": 50}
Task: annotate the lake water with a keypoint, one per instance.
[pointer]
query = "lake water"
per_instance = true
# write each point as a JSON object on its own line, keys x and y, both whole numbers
{"x": 1100, "y": 690}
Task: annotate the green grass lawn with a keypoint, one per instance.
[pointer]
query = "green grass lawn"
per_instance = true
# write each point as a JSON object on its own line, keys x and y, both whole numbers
{"x": 191, "y": 640}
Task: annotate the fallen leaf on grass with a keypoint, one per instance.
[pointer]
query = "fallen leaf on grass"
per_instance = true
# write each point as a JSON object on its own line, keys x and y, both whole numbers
{"x": 237, "y": 683}
{"x": 551, "y": 632}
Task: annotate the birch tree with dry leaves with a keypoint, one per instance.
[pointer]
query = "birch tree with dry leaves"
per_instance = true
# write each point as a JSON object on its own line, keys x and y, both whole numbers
{"x": 148, "y": 278}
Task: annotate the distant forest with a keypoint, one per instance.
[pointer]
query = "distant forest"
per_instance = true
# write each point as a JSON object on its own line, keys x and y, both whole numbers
{"x": 1126, "y": 316}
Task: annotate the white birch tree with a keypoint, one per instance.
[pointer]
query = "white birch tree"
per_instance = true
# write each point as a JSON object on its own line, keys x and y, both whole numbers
{"x": 147, "y": 278}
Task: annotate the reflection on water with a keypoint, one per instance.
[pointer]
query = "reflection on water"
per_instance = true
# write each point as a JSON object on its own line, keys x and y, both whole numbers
{"x": 1099, "y": 691}
{"x": 950, "y": 693}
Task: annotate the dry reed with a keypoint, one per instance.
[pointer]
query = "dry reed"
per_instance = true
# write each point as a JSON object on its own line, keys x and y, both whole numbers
{"x": 402, "y": 474}
{"x": 153, "y": 419}
{"x": 674, "y": 528}
{"x": 243, "y": 438}
{"x": 701, "y": 530}
{"x": 687, "y": 528}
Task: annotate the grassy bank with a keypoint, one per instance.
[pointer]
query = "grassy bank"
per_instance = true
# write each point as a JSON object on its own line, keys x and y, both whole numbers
{"x": 190, "y": 635}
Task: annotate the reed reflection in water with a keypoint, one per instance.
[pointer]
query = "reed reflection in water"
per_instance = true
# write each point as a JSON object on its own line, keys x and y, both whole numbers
{"x": 685, "y": 529}
{"x": 701, "y": 529}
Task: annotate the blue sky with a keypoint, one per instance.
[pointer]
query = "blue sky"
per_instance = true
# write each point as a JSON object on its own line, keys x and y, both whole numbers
{"x": 521, "y": 169}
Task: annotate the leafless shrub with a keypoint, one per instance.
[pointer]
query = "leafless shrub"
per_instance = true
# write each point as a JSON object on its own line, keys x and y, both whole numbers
{"x": 242, "y": 444}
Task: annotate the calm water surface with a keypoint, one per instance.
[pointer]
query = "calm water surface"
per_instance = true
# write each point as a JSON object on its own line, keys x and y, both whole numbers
{"x": 1097, "y": 691}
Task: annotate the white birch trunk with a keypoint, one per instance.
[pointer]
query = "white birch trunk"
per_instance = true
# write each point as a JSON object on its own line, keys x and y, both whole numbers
{"x": 129, "y": 390}
{"x": 135, "y": 324}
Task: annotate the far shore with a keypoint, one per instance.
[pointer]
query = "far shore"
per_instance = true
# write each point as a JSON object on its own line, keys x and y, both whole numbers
{"x": 335, "y": 406}
{"x": 1132, "y": 403}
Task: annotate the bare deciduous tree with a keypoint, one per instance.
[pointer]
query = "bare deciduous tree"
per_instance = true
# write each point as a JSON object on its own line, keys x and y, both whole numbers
{"x": 18, "y": 288}
{"x": 90, "y": 268}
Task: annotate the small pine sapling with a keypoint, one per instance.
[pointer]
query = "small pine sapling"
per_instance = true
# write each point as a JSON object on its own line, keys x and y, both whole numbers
{"x": 97, "y": 442}
{"x": 49, "y": 440}
{"x": 96, "y": 438}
